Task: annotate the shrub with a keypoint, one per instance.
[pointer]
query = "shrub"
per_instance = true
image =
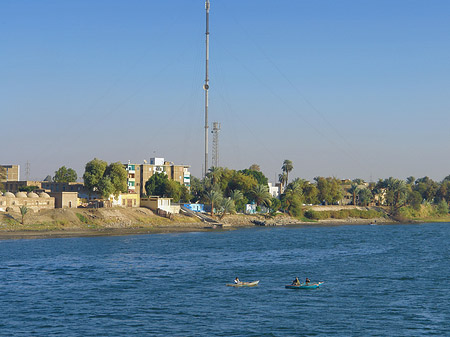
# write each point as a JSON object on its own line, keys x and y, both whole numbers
{"x": 82, "y": 218}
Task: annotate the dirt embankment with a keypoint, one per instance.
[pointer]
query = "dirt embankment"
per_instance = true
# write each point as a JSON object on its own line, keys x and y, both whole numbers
{"x": 121, "y": 221}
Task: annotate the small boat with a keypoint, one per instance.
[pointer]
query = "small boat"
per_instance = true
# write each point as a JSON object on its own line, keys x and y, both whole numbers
{"x": 243, "y": 284}
{"x": 303, "y": 286}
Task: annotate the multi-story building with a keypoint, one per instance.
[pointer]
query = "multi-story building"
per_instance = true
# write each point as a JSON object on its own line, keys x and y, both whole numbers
{"x": 9, "y": 173}
{"x": 138, "y": 174}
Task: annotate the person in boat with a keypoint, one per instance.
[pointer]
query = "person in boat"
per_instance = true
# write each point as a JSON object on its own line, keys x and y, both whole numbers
{"x": 296, "y": 282}
{"x": 307, "y": 281}
{"x": 236, "y": 280}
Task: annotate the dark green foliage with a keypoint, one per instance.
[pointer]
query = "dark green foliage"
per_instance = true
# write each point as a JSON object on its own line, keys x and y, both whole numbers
{"x": 160, "y": 185}
{"x": 258, "y": 175}
{"x": 329, "y": 190}
{"x": 415, "y": 200}
{"x": 105, "y": 180}
{"x": 65, "y": 175}
{"x": 342, "y": 214}
{"x": 275, "y": 205}
{"x": 365, "y": 196}
{"x": 442, "y": 208}
{"x": 28, "y": 188}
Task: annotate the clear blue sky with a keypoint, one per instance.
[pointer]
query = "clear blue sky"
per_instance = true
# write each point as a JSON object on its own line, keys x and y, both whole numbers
{"x": 348, "y": 88}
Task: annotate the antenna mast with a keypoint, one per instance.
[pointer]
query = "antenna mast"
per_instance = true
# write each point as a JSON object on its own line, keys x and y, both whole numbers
{"x": 215, "y": 146}
{"x": 206, "y": 87}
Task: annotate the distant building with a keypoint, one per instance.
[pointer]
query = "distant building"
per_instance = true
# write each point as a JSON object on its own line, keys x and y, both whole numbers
{"x": 139, "y": 174}
{"x": 156, "y": 203}
{"x": 16, "y": 186}
{"x": 126, "y": 200}
{"x": 83, "y": 192}
{"x": 65, "y": 199}
{"x": 274, "y": 190}
{"x": 9, "y": 173}
{"x": 31, "y": 200}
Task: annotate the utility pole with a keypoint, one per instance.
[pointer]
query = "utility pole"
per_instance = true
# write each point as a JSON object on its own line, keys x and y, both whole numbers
{"x": 206, "y": 87}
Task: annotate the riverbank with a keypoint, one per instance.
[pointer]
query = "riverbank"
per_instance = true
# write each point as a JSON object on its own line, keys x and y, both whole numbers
{"x": 60, "y": 223}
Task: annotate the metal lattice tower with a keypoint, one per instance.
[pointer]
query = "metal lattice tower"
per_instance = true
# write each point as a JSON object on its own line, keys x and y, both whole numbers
{"x": 215, "y": 144}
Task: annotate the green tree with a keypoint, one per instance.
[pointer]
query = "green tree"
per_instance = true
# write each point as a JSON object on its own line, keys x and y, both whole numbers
{"x": 197, "y": 189}
{"x": 215, "y": 173}
{"x": 427, "y": 188}
{"x": 236, "y": 195}
{"x": 353, "y": 190}
{"x": 286, "y": 168}
{"x": 258, "y": 175}
{"x": 93, "y": 173}
{"x": 214, "y": 197}
{"x": 155, "y": 185}
{"x": 107, "y": 180}
{"x": 442, "y": 208}
{"x": 228, "y": 206}
{"x": 414, "y": 200}
{"x": 282, "y": 179}
{"x": 105, "y": 187}
{"x": 365, "y": 196}
{"x": 329, "y": 190}
{"x": 292, "y": 203}
{"x": 254, "y": 167}
{"x": 23, "y": 211}
{"x": 117, "y": 174}
{"x": 275, "y": 205}
{"x": 242, "y": 182}
{"x": 65, "y": 175}
{"x": 410, "y": 180}
{"x": 261, "y": 195}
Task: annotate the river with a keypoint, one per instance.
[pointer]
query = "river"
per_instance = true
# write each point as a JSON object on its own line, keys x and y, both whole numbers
{"x": 385, "y": 280}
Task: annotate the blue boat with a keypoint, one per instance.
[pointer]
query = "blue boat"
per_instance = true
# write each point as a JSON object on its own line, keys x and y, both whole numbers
{"x": 303, "y": 286}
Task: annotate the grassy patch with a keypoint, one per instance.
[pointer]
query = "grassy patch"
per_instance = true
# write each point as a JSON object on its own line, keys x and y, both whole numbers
{"x": 343, "y": 214}
{"x": 82, "y": 218}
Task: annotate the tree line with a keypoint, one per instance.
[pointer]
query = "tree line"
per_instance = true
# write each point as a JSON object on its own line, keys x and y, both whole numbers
{"x": 229, "y": 190}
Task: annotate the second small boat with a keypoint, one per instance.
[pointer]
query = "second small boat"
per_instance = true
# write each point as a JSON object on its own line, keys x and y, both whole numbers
{"x": 303, "y": 286}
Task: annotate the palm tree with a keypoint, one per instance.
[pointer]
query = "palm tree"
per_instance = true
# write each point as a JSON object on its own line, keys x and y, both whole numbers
{"x": 236, "y": 195}
{"x": 215, "y": 173}
{"x": 23, "y": 211}
{"x": 282, "y": 178}
{"x": 365, "y": 196}
{"x": 228, "y": 206}
{"x": 262, "y": 195}
{"x": 287, "y": 167}
{"x": 213, "y": 197}
{"x": 353, "y": 190}
{"x": 255, "y": 167}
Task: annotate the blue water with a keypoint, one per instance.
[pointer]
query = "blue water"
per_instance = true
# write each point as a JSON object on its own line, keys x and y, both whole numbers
{"x": 391, "y": 280}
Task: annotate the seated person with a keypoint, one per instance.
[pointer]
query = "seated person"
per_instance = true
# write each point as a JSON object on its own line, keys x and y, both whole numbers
{"x": 296, "y": 282}
{"x": 307, "y": 281}
{"x": 236, "y": 280}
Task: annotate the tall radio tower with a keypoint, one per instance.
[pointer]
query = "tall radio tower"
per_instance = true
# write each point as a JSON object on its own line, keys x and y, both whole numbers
{"x": 215, "y": 146}
{"x": 206, "y": 86}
